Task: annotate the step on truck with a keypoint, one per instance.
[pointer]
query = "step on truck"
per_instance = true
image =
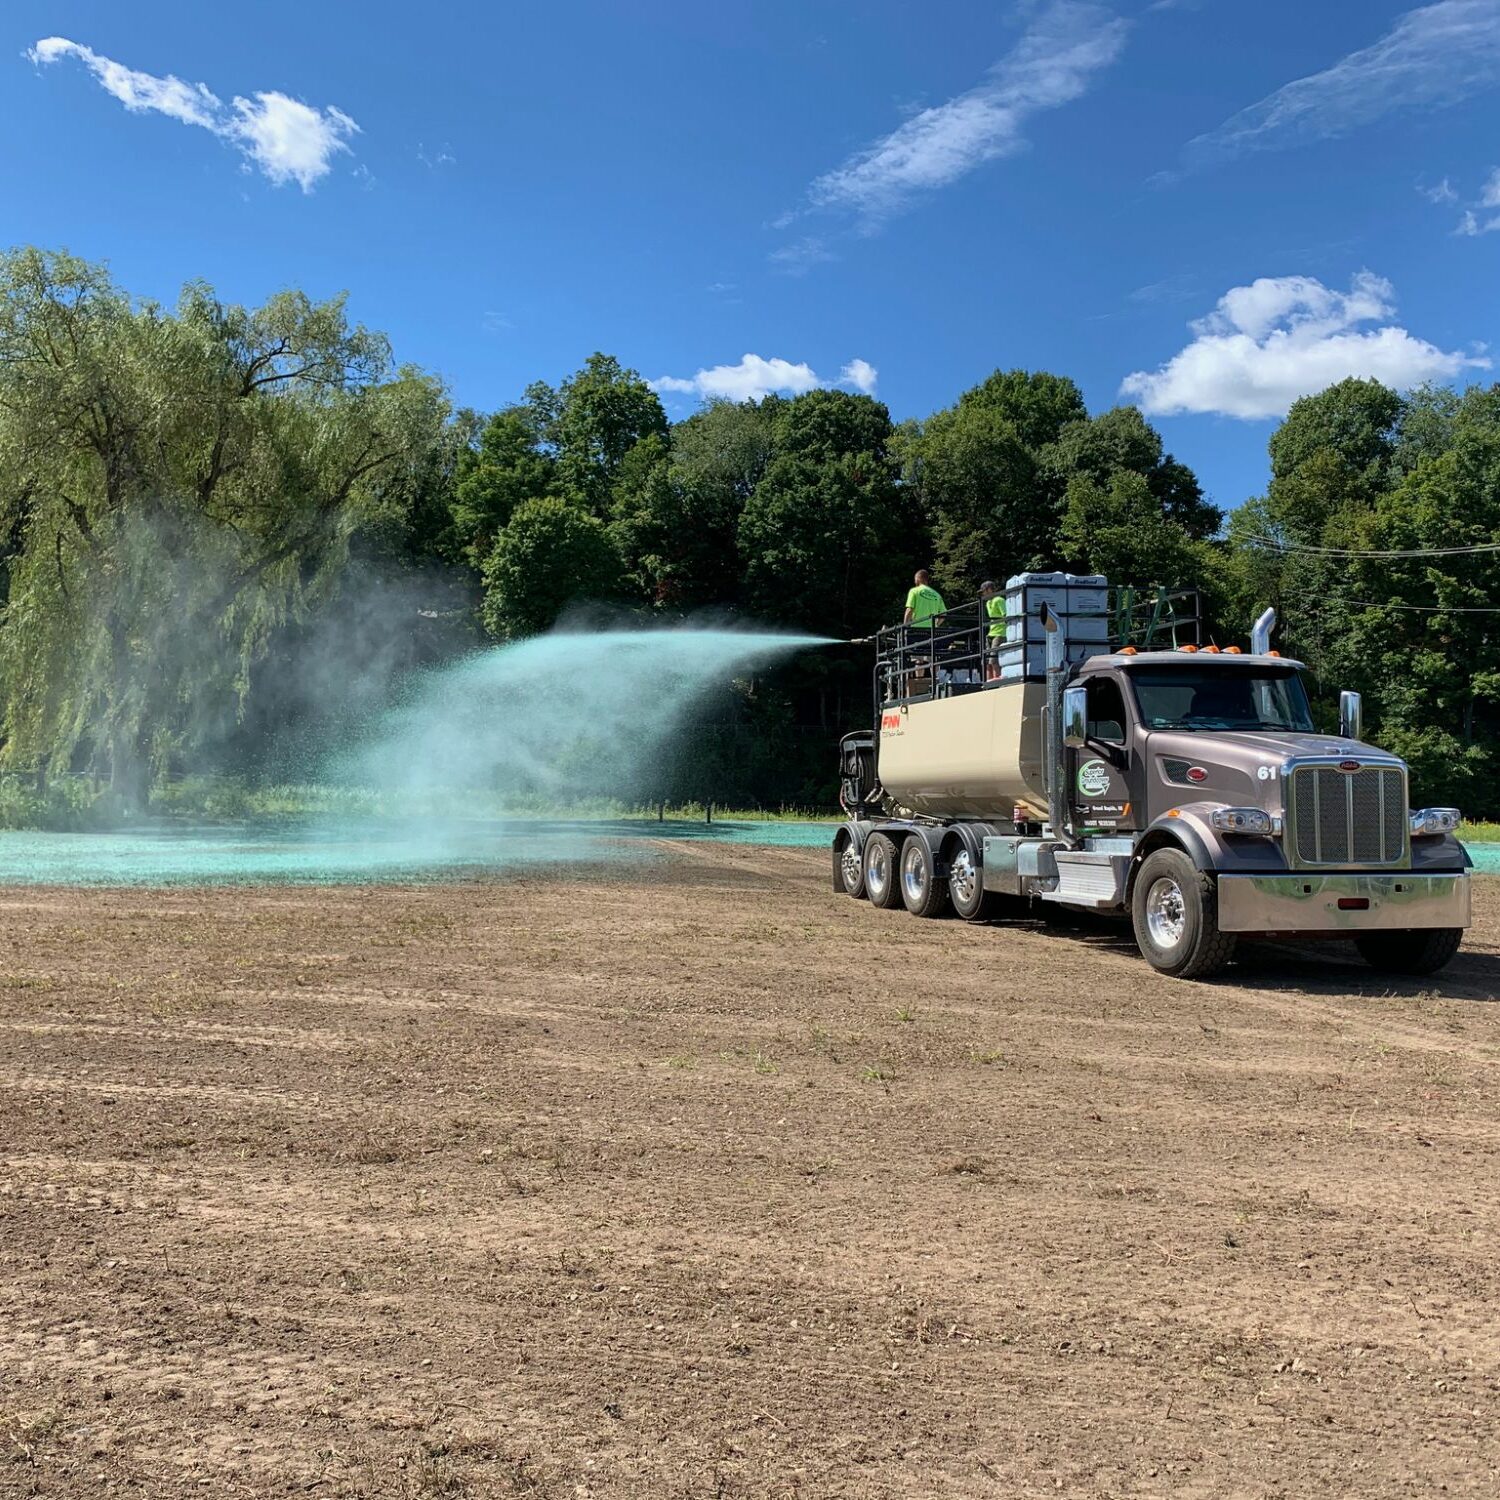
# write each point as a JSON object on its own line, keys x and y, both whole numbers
{"x": 1086, "y": 748}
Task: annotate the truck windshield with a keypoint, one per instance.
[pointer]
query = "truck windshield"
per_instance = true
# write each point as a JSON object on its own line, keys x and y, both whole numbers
{"x": 1220, "y": 698}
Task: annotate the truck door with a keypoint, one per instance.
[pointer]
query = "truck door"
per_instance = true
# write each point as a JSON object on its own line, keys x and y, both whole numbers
{"x": 1098, "y": 773}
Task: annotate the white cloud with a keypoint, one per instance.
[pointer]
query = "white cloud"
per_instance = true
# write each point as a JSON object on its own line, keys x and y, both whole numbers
{"x": 1481, "y": 217}
{"x": 754, "y": 378}
{"x": 1050, "y": 66}
{"x": 1176, "y": 288}
{"x": 287, "y": 140}
{"x": 1282, "y": 337}
{"x": 1471, "y": 224}
{"x": 801, "y": 255}
{"x": 1434, "y": 55}
{"x": 191, "y": 103}
{"x": 1443, "y": 192}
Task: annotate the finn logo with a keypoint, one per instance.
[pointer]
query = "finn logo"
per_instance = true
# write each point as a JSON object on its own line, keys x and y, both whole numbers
{"x": 890, "y": 721}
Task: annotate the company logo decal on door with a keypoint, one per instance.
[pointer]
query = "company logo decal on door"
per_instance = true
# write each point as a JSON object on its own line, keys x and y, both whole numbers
{"x": 1093, "y": 778}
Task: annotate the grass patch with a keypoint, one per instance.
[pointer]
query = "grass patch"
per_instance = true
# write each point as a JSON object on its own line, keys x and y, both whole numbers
{"x": 224, "y": 798}
{"x": 1480, "y": 833}
{"x": 69, "y": 804}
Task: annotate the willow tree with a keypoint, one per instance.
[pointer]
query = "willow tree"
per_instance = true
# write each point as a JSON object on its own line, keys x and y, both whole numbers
{"x": 174, "y": 485}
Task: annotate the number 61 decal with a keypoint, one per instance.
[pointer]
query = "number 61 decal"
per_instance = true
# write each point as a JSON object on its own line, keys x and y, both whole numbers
{"x": 1266, "y": 773}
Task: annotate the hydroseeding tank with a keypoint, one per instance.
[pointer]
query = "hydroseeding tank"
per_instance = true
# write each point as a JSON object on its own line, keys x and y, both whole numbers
{"x": 971, "y": 757}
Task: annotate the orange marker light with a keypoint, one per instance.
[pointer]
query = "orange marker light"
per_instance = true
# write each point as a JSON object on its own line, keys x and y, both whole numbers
{"x": 1172, "y": 812}
{"x": 1210, "y": 650}
{"x": 1233, "y": 651}
{"x": 1273, "y": 653}
{"x": 1187, "y": 648}
{"x": 1127, "y": 651}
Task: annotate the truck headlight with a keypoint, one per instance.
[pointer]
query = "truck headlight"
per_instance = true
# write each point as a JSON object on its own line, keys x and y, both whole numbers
{"x": 1241, "y": 820}
{"x": 1428, "y": 822}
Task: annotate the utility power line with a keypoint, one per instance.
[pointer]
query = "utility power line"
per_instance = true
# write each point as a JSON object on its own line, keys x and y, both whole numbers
{"x": 1424, "y": 609}
{"x": 1317, "y": 601}
{"x": 1266, "y": 541}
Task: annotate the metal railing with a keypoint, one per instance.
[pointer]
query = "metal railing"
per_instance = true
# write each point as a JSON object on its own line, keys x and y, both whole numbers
{"x": 967, "y": 649}
{"x": 1155, "y": 619}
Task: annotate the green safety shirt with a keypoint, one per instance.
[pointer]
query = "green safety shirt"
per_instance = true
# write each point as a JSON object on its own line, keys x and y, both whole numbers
{"x": 925, "y": 602}
{"x": 994, "y": 607}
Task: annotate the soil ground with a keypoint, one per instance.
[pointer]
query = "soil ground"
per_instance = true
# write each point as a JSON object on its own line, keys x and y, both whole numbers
{"x": 705, "y": 1181}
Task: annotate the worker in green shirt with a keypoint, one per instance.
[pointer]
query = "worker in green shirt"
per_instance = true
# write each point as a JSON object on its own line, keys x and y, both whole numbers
{"x": 924, "y": 605}
{"x": 994, "y": 606}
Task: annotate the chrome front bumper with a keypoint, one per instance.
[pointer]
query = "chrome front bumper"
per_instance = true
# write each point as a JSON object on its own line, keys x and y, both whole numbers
{"x": 1311, "y": 903}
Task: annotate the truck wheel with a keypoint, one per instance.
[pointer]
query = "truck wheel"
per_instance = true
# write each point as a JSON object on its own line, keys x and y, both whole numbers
{"x": 1175, "y": 912}
{"x": 1418, "y": 952}
{"x": 849, "y": 865}
{"x": 966, "y": 884}
{"x": 881, "y": 884}
{"x": 924, "y": 894}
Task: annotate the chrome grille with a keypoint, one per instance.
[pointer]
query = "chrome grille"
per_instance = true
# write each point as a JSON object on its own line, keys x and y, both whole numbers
{"x": 1347, "y": 817}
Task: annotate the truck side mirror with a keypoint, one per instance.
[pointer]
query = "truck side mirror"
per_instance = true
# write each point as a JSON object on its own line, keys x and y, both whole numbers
{"x": 1075, "y": 717}
{"x": 1351, "y": 715}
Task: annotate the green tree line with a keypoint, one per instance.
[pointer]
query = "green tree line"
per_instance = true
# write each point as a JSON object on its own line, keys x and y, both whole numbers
{"x": 190, "y": 495}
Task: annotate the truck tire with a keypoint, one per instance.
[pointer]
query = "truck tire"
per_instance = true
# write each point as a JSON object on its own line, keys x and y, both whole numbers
{"x": 882, "y": 882}
{"x": 923, "y": 892}
{"x": 1410, "y": 952}
{"x": 1174, "y": 908}
{"x": 966, "y": 884}
{"x": 849, "y": 865}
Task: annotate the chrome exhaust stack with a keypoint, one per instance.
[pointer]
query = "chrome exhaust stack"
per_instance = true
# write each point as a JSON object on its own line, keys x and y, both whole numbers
{"x": 1057, "y": 674}
{"x": 1260, "y": 633}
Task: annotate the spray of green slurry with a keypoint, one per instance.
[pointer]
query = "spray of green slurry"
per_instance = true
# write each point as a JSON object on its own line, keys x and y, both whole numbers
{"x": 557, "y": 717}
{"x": 553, "y": 719}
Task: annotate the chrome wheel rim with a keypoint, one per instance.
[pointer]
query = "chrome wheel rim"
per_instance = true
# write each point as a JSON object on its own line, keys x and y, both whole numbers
{"x": 1166, "y": 912}
{"x": 877, "y": 871}
{"x": 914, "y": 877}
{"x": 962, "y": 878}
{"x": 849, "y": 866}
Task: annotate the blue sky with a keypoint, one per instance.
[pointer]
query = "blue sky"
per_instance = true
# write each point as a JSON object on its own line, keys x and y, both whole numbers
{"x": 1206, "y": 205}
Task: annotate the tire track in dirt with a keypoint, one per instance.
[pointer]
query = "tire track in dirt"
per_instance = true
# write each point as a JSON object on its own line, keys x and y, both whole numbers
{"x": 207, "y": 1093}
{"x": 209, "y": 1033}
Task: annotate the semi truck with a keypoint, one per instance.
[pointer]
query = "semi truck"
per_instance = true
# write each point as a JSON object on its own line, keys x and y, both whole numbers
{"x": 1086, "y": 748}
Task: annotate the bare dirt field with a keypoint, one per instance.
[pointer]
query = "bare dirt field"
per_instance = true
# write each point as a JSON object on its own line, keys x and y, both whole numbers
{"x": 708, "y": 1182}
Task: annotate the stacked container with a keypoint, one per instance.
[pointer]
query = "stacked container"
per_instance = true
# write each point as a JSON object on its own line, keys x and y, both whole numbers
{"x": 1081, "y": 603}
